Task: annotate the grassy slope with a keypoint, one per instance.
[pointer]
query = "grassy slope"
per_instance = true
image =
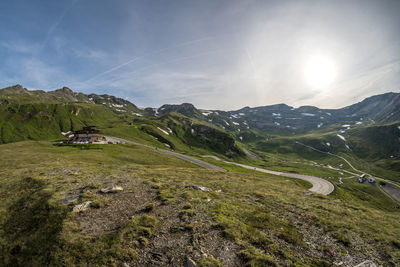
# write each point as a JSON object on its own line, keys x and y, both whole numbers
{"x": 46, "y": 121}
{"x": 371, "y": 149}
{"x": 256, "y": 219}
{"x": 205, "y": 139}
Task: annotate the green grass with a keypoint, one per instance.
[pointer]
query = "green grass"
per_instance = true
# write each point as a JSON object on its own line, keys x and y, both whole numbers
{"x": 371, "y": 149}
{"x": 266, "y": 218}
{"x": 44, "y": 121}
{"x": 206, "y": 138}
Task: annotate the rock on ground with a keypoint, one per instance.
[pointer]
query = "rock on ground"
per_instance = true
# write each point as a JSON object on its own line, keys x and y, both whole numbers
{"x": 202, "y": 188}
{"x": 366, "y": 263}
{"x": 190, "y": 263}
{"x": 71, "y": 199}
{"x": 111, "y": 189}
{"x": 82, "y": 207}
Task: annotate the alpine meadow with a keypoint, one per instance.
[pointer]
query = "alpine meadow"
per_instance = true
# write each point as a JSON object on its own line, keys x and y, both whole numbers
{"x": 200, "y": 133}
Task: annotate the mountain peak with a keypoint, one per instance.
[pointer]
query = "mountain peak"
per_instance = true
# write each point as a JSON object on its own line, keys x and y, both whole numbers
{"x": 186, "y": 109}
{"x": 64, "y": 90}
{"x": 15, "y": 89}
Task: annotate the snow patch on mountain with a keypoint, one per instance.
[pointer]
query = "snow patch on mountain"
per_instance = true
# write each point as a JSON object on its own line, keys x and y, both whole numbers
{"x": 117, "y": 106}
{"x": 341, "y": 137}
{"x": 162, "y": 130}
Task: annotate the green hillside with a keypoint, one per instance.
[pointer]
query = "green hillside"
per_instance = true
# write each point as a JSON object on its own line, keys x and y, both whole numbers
{"x": 372, "y": 149}
{"x": 246, "y": 219}
{"x": 236, "y": 218}
{"x": 179, "y": 133}
{"x": 43, "y": 121}
{"x": 39, "y": 115}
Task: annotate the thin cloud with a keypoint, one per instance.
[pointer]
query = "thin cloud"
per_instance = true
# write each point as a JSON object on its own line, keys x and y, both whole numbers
{"x": 146, "y": 55}
{"x": 55, "y": 25}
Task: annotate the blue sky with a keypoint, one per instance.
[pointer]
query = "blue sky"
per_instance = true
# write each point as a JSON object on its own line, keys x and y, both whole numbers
{"x": 215, "y": 54}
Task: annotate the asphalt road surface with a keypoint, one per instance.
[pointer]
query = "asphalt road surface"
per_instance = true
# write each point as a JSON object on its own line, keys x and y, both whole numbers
{"x": 181, "y": 156}
{"x": 319, "y": 185}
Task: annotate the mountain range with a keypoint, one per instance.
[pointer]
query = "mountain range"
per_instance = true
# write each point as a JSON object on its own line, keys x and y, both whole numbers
{"x": 356, "y": 130}
{"x": 383, "y": 108}
{"x": 134, "y": 204}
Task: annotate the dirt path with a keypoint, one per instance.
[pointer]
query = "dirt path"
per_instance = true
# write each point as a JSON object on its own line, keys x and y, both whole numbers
{"x": 319, "y": 185}
{"x": 181, "y": 156}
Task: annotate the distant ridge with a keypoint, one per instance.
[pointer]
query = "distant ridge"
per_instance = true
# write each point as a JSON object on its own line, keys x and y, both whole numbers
{"x": 278, "y": 118}
{"x": 384, "y": 108}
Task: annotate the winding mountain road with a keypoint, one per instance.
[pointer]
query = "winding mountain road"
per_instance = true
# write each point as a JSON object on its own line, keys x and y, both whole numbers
{"x": 393, "y": 188}
{"x": 319, "y": 185}
{"x": 181, "y": 156}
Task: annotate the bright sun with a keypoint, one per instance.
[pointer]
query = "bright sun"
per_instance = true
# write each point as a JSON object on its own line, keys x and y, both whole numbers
{"x": 320, "y": 72}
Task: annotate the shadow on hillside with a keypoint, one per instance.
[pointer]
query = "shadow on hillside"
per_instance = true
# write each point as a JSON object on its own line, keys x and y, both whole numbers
{"x": 33, "y": 225}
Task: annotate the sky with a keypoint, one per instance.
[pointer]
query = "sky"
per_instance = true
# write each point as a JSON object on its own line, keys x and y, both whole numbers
{"x": 216, "y": 54}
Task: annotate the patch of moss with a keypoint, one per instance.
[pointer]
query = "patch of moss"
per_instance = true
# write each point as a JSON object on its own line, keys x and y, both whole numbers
{"x": 342, "y": 236}
{"x": 254, "y": 257}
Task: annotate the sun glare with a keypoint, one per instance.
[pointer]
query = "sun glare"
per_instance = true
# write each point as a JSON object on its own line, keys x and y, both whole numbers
{"x": 320, "y": 72}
